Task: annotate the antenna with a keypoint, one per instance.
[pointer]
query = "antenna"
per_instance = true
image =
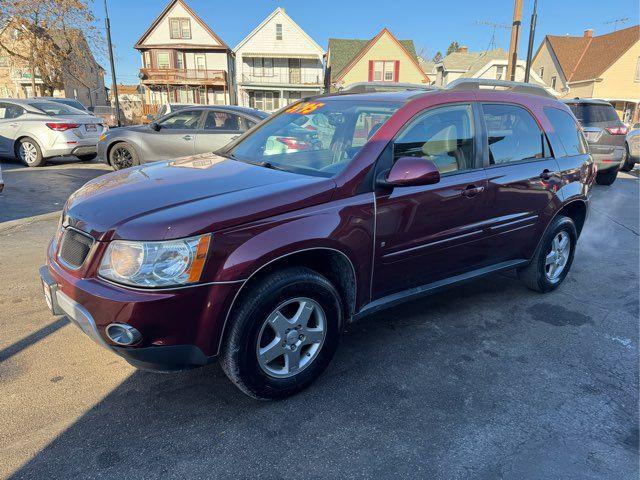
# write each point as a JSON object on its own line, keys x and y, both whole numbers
{"x": 616, "y": 22}
{"x": 494, "y": 26}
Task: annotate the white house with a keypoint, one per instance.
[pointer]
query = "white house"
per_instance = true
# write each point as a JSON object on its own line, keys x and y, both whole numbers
{"x": 277, "y": 64}
{"x": 183, "y": 60}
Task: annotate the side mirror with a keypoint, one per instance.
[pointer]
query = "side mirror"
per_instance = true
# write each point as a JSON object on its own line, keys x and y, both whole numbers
{"x": 155, "y": 126}
{"x": 150, "y": 117}
{"x": 410, "y": 172}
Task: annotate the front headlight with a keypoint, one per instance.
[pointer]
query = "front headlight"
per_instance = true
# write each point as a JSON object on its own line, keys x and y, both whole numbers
{"x": 155, "y": 264}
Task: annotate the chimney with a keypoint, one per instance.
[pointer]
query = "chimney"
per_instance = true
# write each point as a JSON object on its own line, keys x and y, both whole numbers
{"x": 463, "y": 49}
{"x": 588, "y": 33}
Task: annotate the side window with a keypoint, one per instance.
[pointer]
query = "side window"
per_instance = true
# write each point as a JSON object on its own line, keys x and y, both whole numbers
{"x": 513, "y": 134}
{"x": 186, "y": 119}
{"x": 222, "y": 121}
{"x": 9, "y": 111}
{"x": 568, "y": 132}
{"x": 443, "y": 135}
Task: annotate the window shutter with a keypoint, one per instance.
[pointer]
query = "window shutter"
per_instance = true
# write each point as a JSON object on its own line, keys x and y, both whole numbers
{"x": 371, "y": 70}
{"x": 396, "y": 71}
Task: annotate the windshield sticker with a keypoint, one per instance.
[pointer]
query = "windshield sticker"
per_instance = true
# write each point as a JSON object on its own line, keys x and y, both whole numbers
{"x": 305, "y": 108}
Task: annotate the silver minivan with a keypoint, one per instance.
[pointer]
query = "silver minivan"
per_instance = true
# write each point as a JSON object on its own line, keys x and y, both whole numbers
{"x": 32, "y": 130}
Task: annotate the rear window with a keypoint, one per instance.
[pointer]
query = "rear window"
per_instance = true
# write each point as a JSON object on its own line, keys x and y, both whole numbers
{"x": 592, "y": 114}
{"x": 55, "y": 108}
{"x": 568, "y": 132}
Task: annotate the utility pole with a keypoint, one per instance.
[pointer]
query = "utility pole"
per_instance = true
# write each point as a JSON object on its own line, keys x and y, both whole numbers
{"x": 515, "y": 37}
{"x": 532, "y": 34}
{"x": 113, "y": 67}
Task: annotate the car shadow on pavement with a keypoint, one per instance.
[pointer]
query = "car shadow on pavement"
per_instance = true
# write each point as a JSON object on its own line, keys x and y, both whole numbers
{"x": 406, "y": 388}
{"x": 35, "y": 191}
{"x": 15, "y": 348}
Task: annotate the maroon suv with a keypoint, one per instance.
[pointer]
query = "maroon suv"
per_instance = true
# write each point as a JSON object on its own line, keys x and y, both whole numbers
{"x": 258, "y": 255}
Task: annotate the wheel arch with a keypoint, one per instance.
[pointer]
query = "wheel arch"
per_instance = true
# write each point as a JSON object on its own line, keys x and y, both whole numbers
{"x": 16, "y": 142}
{"x": 576, "y": 210}
{"x": 332, "y": 263}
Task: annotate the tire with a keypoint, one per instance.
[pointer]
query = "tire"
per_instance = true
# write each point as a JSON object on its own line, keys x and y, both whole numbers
{"x": 628, "y": 164}
{"x": 537, "y": 275}
{"x": 607, "y": 178}
{"x": 28, "y": 152}
{"x": 88, "y": 157}
{"x": 122, "y": 155}
{"x": 250, "y": 331}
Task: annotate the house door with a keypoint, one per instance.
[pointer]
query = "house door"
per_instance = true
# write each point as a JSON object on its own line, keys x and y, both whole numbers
{"x": 201, "y": 64}
{"x": 295, "y": 70}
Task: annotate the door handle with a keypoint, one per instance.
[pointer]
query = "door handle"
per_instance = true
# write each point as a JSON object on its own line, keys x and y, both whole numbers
{"x": 187, "y": 137}
{"x": 471, "y": 191}
{"x": 546, "y": 174}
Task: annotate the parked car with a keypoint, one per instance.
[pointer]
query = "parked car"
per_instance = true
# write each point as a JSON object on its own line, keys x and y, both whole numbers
{"x": 108, "y": 114}
{"x": 185, "y": 132}
{"x": 632, "y": 145}
{"x": 259, "y": 258}
{"x": 605, "y": 133}
{"x": 32, "y": 130}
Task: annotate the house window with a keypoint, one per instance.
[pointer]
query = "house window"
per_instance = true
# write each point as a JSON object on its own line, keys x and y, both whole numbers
{"x": 162, "y": 60}
{"x": 267, "y": 101}
{"x": 553, "y": 82}
{"x": 180, "y": 60}
{"x": 637, "y": 77}
{"x": 147, "y": 59}
{"x": 541, "y": 72}
{"x": 278, "y": 31}
{"x": 3, "y": 61}
{"x": 263, "y": 67}
{"x": 499, "y": 72}
{"x": 383, "y": 70}
{"x": 180, "y": 28}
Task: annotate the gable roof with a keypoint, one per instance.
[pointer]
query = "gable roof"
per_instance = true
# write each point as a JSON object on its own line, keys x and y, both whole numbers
{"x": 277, "y": 11}
{"x": 587, "y": 58}
{"x": 344, "y": 53}
{"x": 471, "y": 62}
{"x": 159, "y": 18}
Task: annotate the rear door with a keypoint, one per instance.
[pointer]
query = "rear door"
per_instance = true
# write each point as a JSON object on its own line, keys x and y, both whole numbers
{"x": 218, "y": 129}
{"x": 176, "y": 137}
{"x": 9, "y": 125}
{"x": 523, "y": 178}
{"x": 426, "y": 233}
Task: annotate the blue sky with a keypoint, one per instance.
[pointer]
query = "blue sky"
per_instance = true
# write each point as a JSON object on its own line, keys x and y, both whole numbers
{"x": 431, "y": 25}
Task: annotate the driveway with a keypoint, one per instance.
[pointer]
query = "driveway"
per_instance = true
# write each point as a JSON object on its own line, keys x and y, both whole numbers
{"x": 487, "y": 381}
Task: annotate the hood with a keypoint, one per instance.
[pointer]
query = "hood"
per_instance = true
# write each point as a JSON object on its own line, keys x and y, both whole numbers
{"x": 188, "y": 196}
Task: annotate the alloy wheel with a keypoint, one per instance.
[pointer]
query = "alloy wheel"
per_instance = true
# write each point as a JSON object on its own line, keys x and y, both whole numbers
{"x": 291, "y": 337}
{"x": 27, "y": 152}
{"x": 122, "y": 158}
{"x": 556, "y": 260}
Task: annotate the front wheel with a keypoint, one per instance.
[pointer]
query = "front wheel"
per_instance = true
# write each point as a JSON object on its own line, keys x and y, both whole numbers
{"x": 553, "y": 258}
{"x": 283, "y": 334}
{"x": 608, "y": 177}
{"x": 122, "y": 155}
{"x": 28, "y": 152}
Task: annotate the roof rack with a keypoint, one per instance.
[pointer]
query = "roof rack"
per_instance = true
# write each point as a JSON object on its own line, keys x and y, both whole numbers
{"x": 515, "y": 87}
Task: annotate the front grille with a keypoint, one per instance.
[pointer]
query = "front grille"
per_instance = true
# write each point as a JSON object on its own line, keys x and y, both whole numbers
{"x": 74, "y": 248}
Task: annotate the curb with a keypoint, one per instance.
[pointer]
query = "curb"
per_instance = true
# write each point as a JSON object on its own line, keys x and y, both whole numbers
{"x": 20, "y": 222}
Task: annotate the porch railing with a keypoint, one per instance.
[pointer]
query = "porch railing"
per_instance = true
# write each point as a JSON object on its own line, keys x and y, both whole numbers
{"x": 187, "y": 75}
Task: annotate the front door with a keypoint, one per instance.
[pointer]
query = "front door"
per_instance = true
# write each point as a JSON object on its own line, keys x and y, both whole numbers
{"x": 427, "y": 233}
{"x": 9, "y": 126}
{"x": 523, "y": 178}
{"x": 218, "y": 129}
{"x": 295, "y": 71}
{"x": 176, "y": 137}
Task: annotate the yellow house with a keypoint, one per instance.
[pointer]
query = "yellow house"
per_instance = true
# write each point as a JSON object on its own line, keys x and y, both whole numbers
{"x": 604, "y": 66}
{"x": 384, "y": 58}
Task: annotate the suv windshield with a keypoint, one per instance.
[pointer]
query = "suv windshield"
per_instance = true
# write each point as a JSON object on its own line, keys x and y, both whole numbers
{"x": 315, "y": 138}
{"x": 55, "y": 108}
{"x": 593, "y": 114}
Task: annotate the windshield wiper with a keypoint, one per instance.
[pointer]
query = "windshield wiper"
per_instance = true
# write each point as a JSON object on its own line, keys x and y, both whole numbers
{"x": 269, "y": 165}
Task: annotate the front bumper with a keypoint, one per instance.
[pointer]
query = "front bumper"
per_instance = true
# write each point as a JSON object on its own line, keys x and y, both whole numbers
{"x": 170, "y": 341}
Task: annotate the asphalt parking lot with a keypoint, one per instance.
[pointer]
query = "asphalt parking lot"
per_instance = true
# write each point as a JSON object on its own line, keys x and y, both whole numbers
{"x": 488, "y": 380}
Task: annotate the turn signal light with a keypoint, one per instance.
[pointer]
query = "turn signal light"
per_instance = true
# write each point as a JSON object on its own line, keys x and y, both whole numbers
{"x": 61, "y": 127}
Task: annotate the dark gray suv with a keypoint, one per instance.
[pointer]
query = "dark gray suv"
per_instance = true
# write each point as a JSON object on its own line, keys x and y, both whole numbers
{"x": 605, "y": 134}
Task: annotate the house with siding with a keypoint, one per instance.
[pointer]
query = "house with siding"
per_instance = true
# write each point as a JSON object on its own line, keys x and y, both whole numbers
{"x": 183, "y": 60}
{"x": 605, "y": 66}
{"x": 383, "y": 58}
{"x": 277, "y": 63}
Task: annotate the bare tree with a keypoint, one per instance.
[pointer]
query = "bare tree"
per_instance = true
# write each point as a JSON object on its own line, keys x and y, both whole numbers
{"x": 453, "y": 47}
{"x": 50, "y": 38}
{"x": 437, "y": 57}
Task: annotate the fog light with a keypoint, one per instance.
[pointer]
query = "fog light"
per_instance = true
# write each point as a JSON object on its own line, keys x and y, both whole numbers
{"x": 123, "y": 334}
